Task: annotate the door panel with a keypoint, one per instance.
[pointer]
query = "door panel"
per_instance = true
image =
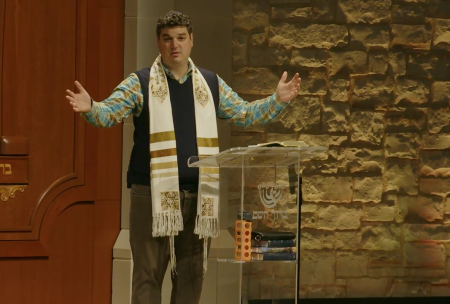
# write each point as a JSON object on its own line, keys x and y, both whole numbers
{"x": 60, "y": 178}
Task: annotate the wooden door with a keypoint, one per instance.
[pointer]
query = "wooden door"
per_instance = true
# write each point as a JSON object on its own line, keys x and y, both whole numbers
{"x": 60, "y": 178}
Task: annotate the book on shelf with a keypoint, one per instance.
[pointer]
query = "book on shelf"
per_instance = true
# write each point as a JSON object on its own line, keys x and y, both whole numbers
{"x": 274, "y": 256}
{"x": 268, "y": 235}
{"x": 273, "y": 249}
{"x": 274, "y": 243}
{"x": 287, "y": 143}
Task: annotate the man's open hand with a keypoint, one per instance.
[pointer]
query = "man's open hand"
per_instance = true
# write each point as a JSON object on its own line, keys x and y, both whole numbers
{"x": 81, "y": 101}
{"x": 287, "y": 91}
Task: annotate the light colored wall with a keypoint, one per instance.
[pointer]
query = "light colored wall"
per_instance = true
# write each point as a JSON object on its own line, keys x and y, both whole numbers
{"x": 212, "y": 51}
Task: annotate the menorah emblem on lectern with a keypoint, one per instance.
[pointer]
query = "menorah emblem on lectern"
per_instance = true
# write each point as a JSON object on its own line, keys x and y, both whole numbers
{"x": 270, "y": 194}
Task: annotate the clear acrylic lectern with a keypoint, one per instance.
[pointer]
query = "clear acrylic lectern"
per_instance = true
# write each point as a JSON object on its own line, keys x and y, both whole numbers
{"x": 258, "y": 246}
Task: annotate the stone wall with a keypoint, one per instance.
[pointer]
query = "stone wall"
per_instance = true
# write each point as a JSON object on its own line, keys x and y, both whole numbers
{"x": 375, "y": 90}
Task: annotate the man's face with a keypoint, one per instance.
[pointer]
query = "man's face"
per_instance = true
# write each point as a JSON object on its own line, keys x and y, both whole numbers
{"x": 175, "y": 44}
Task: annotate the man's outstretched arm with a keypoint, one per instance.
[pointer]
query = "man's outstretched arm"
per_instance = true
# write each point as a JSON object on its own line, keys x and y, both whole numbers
{"x": 243, "y": 113}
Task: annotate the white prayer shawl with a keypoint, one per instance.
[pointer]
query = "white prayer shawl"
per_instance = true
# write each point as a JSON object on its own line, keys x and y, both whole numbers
{"x": 167, "y": 216}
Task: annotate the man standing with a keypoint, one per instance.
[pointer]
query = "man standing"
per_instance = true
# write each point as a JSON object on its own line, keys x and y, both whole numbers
{"x": 174, "y": 208}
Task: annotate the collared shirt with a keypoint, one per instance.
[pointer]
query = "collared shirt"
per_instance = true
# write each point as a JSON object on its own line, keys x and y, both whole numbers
{"x": 127, "y": 99}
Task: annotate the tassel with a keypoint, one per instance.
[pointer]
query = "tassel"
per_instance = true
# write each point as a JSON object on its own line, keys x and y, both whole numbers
{"x": 205, "y": 255}
{"x": 173, "y": 259}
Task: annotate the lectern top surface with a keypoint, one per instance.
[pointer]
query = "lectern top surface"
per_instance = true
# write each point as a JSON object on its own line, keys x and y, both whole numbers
{"x": 257, "y": 157}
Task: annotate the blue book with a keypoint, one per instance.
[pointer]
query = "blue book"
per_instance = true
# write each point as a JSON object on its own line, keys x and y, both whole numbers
{"x": 274, "y": 256}
{"x": 273, "y": 249}
{"x": 274, "y": 243}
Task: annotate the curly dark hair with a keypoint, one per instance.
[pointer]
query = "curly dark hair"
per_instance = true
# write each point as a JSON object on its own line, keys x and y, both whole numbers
{"x": 172, "y": 19}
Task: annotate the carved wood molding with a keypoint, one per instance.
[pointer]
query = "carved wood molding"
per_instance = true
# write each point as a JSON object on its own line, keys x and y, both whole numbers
{"x": 7, "y": 192}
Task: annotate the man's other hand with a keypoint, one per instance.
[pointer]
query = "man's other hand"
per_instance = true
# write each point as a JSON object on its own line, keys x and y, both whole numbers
{"x": 81, "y": 101}
{"x": 286, "y": 91}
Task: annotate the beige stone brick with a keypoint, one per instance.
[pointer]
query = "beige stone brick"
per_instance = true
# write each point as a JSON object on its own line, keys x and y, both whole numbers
{"x": 436, "y": 141}
{"x": 440, "y": 91}
{"x": 409, "y": 14}
{"x": 380, "y": 237}
{"x": 435, "y": 186}
{"x": 308, "y": 220}
{"x": 338, "y": 140}
{"x": 428, "y": 65}
{"x": 257, "y": 81}
{"x": 355, "y": 160}
{"x": 378, "y": 63}
{"x": 411, "y": 92}
{"x": 323, "y": 10}
{"x": 435, "y": 163}
{"x": 326, "y": 292}
{"x": 327, "y": 189}
{"x": 335, "y": 117}
{"x": 371, "y": 92}
{"x": 370, "y": 12}
{"x": 384, "y": 272}
{"x": 397, "y": 63}
{"x": 440, "y": 291}
{"x": 441, "y": 37}
{"x": 309, "y": 58}
{"x": 239, "y": 48}
{"x": 291, "y": 14}
{"x": 314, "y": 82}
{"x": 438, "y": 120}
{"x": 438, "y": 9}
{"x": 411, "y": 36}
{"x": 380, "y": 212}
{"x": 340, "y": 217}
{"x": 250, "y": 20}
{"x": 366, "y": 127}
{"x": 350, "y": 264}
{"x": 428, "y": 273}
{"x": 410, "y": 120}
{"x": 408, "y": 289}
{"x": 402, "y": 145}
{"x": 302, "y": 114}
{"x": 385, "y": 259}
{"x": 268, "y": 56}
{"x": 367, "y": 189}
{"x": 316, "y": 239}
{"x": 245, "y": 140}
{"x": 259, "y": 39}
{"x": 426, "y": 233}
{"x": 317, "y": 267}
{"x": 421, "y": 209}
{"x": 369, "y": 37}
{"x": 350, "y": 62}
{"x": 339, "y": 89}
{"x": 401, "y": 176}
{"x": 366, "y": 287}
{"x": 347, "y": 239}
{"x": 424, "y": 255}
{"x": 313, "y": 35}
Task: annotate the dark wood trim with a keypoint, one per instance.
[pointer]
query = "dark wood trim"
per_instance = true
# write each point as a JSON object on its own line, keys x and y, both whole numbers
{"x": 22, "y": 249}
{"x": 2, "y": 37}
{"x": 14, "y": 145}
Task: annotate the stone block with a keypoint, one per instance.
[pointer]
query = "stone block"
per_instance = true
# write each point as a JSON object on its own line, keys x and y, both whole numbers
{"x": 428, "y": 65}
{"x": 416, "y": 37}
{"x": 440, "y": 291}
{"x": 308, "y": 58}
{"x": 365, "y": 37}
{"x": 339, "y": 89}
{"x": 314, "y": 82}
{"x": 356, "y": 11}
{"x": 350, "y": 264}
{"x": 335, "y": 117}
{"x": 347, "y": 239}
{"x": 385, "y": 259}
{"x": 327, "y": 189}
{"x": 326, "y": 292}
{"x": 302, "y": 114}
{"x": 397, "y": 63}
{"x": 259, "y": 39}
{"x": 380, "y": 237}
{"x": 350, "y": 62}
{"x": 421, "y": 209}
{"x": 440, "y": 92}
{"x": 438, "y": 9}
{"x": 384, "y": 272}
{"x": 268, "y": 56}
{"x": 317, "y": 267}
{"x": 424, "y": 255}
{"x": 313, "y": 35}
{"x": 438, "y": 120}
{"x": 245, "y": 140}
{"x": 402, "y": 145}
{"x": 339, "y": 217}
{"x": 426, "y": 233}
{"x": 257, "y": 81}
{"x": 250, "y": 20}
{"x": 378, "y": 63}
{"x": 408, "y": 289}
{"x": 354, "y": 160}
{"x": 291, "y": 14}
{"x": 441, "y": 35}
{"x": 316, "y": 239}
{"x": 439, "y": 141}
{"x": 408, "y": 14}
{"x": 380, "y": 212}
{"x": 435, "y": 163}
{"x": 412, "y": 92}
{"x": 366, "y": 287}
{"x": 366, "y": 127}
{"x": 367, "y": 189}
{"x": 401, "y": 176}
{"x": 239, "y": 48}
{"x": 371, "y": 92}
{"x": 409, "y": 120}
{"x": 435, "y": 186}
{"x": 323, "y": 11}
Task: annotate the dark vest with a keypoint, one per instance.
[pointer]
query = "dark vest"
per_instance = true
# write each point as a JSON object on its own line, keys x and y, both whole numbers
{"x": 182, "y": 100}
